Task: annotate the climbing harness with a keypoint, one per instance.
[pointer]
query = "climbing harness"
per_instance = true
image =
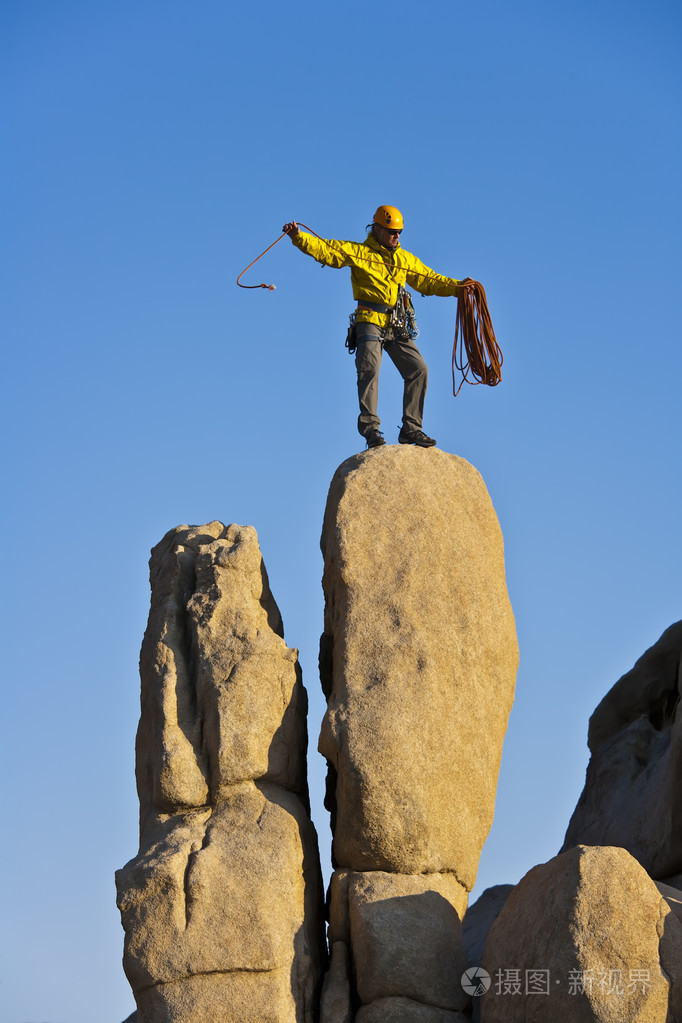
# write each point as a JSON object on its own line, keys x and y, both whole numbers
{"x": 402, "y": 320}
{"x": 475, "y": 351}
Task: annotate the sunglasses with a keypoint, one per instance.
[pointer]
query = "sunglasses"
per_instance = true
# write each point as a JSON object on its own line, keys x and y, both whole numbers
{"x": 389, "y": 230}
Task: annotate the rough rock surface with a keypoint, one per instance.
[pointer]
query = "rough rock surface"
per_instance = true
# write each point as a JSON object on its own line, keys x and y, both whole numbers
{"x": 585, "y": 937}
{"x": 633, "y": 789}
{"x": 405, "y": 933}
{"x": 418, "y": 661}
{"x": 221, "y": 906}
{"x": 406, "y": 937}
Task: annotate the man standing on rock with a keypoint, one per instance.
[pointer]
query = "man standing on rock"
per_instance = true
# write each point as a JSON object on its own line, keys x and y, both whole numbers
{"x": 379, "y": 270}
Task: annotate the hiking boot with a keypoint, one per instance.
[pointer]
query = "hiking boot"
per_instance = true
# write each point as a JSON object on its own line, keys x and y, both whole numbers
{"x": 374, "y": 438}
{"x": 418, "y": 437}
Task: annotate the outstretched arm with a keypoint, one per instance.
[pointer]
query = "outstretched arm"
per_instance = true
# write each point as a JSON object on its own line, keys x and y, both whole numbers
{"x": 328, "y": 252}
{"x": 428, "y": 282}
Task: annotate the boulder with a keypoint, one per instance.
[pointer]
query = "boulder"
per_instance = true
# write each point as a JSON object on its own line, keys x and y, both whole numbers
{"x": 479, "y": 919}
{"x": 404, "y": 932}
{"x": 418, "y": 661}
{"x": 584, "y": 937}
{"x": 222, "y": 905}
{"x": 339, "y": 911}
{"x": 633, "y": 788}
{"x": 406, "y": 937}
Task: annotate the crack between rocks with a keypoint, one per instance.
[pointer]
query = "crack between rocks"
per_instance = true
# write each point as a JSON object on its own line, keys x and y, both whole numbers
{"x": 206, "y": 973}
{"x": 187, "y": 675}
{"x": 415, "y": 1001}
{"x": 191, "y": 859}
{"x": 660, "y": 929}
{"x": 402, "y": 873}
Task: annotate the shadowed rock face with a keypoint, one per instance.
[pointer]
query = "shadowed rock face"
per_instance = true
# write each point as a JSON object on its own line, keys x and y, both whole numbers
{"x": 479, "y": 919}
{"x": 221, "y": 906}
{"x": 633, "y": 789}
{"x": 418, "y": 662}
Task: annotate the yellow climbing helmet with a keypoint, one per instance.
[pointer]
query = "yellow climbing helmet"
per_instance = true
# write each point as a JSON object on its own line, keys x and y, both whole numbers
{"x": 389, "y": 216}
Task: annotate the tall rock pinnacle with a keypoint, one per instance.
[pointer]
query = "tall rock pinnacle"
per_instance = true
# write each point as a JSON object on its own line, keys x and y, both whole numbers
{"x": 418, "y": 662}
{"x": 221, "y": 906}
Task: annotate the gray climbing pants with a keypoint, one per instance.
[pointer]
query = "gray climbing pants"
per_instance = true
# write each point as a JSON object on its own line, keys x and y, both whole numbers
{"x": 371, "y": 342}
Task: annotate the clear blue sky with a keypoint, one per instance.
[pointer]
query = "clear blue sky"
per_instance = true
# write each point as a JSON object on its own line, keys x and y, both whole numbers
{"x": 151, "y": 150}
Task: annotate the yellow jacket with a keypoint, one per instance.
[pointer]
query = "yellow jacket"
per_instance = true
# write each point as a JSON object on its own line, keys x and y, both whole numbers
{"x": 375, "y": 272}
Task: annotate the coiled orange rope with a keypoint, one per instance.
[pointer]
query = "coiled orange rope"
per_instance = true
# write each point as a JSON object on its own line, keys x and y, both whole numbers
{"x": 475, "y": 351}
{"x": 478, "y": 352}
